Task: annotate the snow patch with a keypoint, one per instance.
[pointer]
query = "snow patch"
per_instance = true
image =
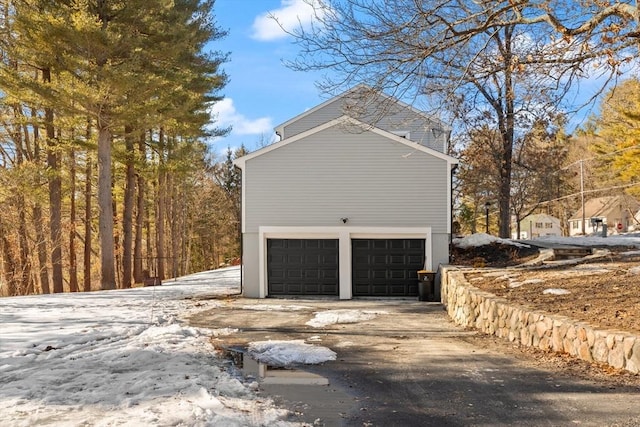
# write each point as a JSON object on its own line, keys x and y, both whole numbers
{"x": 286, "y": 353}
{"x": 514, "y": 284}
{"x": 330, "y": 317}
{"x": 629, "y": 239}
{"x": 482, "y": 239}
{"x": 634, "y": 270}
{"x": 223, "y": 332}
{"x": 123, "y": 357}
{"x": 556, "y": 291}
{"x": 275, "y": 307}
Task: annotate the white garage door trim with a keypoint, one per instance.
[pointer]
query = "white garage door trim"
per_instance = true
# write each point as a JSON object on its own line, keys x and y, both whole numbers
{"x": 344, "y": 235}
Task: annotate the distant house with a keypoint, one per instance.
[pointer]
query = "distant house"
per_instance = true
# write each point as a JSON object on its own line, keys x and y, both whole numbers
{"x": 635, "y": 222}
{"x": 342, "y": 206}
{"x": 615, "y": 211}
{"x": 537, "y": 225}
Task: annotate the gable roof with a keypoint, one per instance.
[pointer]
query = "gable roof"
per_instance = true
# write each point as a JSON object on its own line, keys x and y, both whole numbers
{"x": 240, "y": 162}
{"x": 603, "y": 206}
{"x": 362, "y": 87}
{"x": 540, "y": 216}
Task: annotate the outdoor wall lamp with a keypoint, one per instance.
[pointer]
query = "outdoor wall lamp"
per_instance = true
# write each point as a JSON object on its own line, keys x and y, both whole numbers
{"x": 344, "y": 220}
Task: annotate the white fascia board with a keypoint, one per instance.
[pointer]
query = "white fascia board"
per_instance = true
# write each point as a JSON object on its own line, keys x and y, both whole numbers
{"x": 240, "y": 162}
{"x": 280, "y": 128}
{"x": 418, "y": 147}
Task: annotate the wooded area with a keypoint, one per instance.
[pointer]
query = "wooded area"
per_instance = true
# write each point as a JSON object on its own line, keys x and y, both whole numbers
{"x": 105, "y": 178}
{"x": 500, "y": 70}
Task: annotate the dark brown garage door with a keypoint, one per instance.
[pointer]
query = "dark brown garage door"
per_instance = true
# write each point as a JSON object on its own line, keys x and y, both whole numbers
{"x": 386, "y": 267}
{"x": 302, "y": 266}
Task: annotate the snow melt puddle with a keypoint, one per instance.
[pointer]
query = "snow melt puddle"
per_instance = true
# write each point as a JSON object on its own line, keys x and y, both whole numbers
{"x": 272, "y": 362}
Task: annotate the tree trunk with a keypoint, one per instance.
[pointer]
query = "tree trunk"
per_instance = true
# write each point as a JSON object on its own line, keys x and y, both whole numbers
{"x": 41, "y": 245}
{"x": 127, "y": 214}
{"x": 175, "y": 228}
{"x": 73, "y": 262}
{"x": 87, "y": 222}
{"x": 38, "y": 220}
{"x": 507, "y": 131}
{"x": 105, "y": 207}
{"x": 55, "y": 194}
{"x": 160, "y": 206}
{"x": 9, "y": 263}
{"x": 23, "y": 235}
{"x": 147, "y": 222}
{"x": 25, "y": 260}
{"x": 137, "y": 251}
{"x": 116, "y": 238}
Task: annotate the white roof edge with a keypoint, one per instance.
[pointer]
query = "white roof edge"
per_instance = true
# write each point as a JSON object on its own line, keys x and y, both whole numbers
{"x": 449, "y": 159}
{"x": 279, "y": 129}
{"x": 240, "y": 162}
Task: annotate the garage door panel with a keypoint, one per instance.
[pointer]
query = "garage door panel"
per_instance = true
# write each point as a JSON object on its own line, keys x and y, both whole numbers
{"x": 302, "y": 266}
{"x": 294, "y": 274}
{"x": 397, "y": 274}
{"x": 378, "y": 259}
{"x": 415, "y": 259}
{"x": 386, "y": 267}
{"x": 397, "y": 259}
{"x": 277, "y": 274}
{"x": 329, "y": 275}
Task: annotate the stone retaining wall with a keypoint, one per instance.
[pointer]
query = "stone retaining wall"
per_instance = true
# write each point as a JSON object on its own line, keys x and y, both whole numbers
{"x": 471, "y": 307}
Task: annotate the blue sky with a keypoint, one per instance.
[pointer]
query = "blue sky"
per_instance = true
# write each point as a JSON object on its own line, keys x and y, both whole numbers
{"x": 262, "y": 91}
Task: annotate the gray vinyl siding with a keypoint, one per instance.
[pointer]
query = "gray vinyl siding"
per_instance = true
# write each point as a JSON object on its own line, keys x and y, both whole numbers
{"x": 331, "y": 111}
{"x": 332, "y": 174}
{"x": 397, "y": 118}
{"x": 250, "y": 263}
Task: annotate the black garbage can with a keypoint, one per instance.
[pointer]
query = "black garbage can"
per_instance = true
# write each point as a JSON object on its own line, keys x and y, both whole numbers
{"x": 426, "y": 286}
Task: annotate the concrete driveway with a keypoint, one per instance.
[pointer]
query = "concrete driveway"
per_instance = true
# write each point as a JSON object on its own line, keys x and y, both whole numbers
{"x": 410, "y": 366}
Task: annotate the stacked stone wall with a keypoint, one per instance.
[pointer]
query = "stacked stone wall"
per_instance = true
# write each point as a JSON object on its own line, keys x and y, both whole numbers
{"x": 469, "y": 306}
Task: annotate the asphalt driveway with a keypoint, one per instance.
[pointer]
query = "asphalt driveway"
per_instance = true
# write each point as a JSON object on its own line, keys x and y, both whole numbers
{"x": 411, "y": 366}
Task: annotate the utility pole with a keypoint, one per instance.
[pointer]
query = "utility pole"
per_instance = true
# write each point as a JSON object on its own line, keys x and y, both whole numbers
{"x": 486, "y": 216}
{"x": 582, "y": 194}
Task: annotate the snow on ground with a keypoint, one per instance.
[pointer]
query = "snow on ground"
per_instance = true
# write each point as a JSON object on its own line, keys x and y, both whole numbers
{"x": 481, "y": 239}
{"x": 286, "y": 353}
{"x": 330, "y": 317}
{"x": 123, "y": 357}
{"x": 628, "y": 239}
{"x": 516, "y": 284}
{"x": 556, "y": 291}
{"x": 274, "y": 307}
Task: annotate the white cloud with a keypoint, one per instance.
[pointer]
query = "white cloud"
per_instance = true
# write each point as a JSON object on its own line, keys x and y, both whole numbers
{"x": 290, "y": 15}
{"x": 224, "y": 114}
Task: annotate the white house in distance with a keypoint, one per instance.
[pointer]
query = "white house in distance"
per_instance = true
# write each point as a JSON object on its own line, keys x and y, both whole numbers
{"x": 348, "y": 203}
{"x": 537, "y": 225}
{"x": 614, "y": 211}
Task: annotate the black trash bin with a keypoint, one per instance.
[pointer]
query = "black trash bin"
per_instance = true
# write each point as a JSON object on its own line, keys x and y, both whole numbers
{"x": 426, "y": 286}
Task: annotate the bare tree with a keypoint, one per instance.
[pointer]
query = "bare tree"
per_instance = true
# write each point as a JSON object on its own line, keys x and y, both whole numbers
{"x": 503, "y": 61}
